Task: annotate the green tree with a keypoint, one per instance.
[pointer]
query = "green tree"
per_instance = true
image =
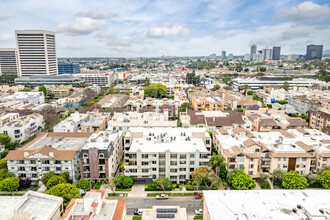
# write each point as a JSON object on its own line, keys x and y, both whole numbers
{"x": 4, "y": 139}
{"x": 216, "y": 162}
{"x": 5, "y": 174}
{"x": 84, "y": 184}
{"x": 233, "y": 173}
{"x": 185, "y": 106}
{"x": 65, "y": 175}
{"x": 46, "y": 177}
{"x": 246, "y": 70}
{"x": 216, "y": 87}
{"x": 65, "y": 190}
{"x": 55, "y": 180}
{"x": 285, "y": 86}
{"x": 155, "y": 90}
{"x": 324, "y": 179}
{"x": 110, "y": 184}
{"x": 123, "y": 182}
{"x": 4, "y": 154}
{"x": 12, "y": 145}
{"x": 243, "y": 181}
{"x": 277, "y": 177}
{"x": 163, "y": 183}
{"x": 262, "y": 69}
{"x": 25, "y": 90}
{"x": 293, "y": 180}
{"x": 3, "y": 164}
{"x": 43, "y": 89}
{"x": 9, "y": 184}
{"x": 146, "y": 81}
{"x": 326, "y": 129}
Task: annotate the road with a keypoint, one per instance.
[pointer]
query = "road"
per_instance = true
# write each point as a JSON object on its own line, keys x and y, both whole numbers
{"x": 184, "y": 202}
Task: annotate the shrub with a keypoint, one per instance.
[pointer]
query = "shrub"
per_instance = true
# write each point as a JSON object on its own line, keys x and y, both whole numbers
{"x": 243, "y": 181}
{"x": 24, "y": 183}
{"x": 180, "y": 187}
{"x": 324, "y": 179}
{"x": 123, "y": 182}
{"x": 313, "y": 181}
{"x": 97, "y": 185}
{"x": 293, "y": 180}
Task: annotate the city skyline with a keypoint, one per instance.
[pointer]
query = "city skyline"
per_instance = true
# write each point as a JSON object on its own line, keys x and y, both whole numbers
{"x": 170, "y": 28}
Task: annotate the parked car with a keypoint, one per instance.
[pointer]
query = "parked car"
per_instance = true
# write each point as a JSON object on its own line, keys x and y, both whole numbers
{"x": 138, "y": 212}
{"x": 198, "y": 211}
{"x": 198, "y": 196}
{"x": 162, "y": 196}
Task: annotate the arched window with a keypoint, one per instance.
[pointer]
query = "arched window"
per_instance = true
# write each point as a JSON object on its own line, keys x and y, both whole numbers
{"x": 101, "y": 155}
{"x": 85, "y": 155}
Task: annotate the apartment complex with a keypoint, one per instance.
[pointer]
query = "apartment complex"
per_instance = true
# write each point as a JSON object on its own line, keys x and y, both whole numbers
{"x": 8, "y": 117}
{"x": 75, "y": 100}
{"x": 59, "y": 91}
{"x": 208, "y": 103}
{"x": 319, "y": 118}
{"x": 100, "y": 156}
{"x": 301, "y": 150}
{"x": 72, "y": 123}
{"x": 97, "y": 121}
{"x": 26, "y": 97}
{"x": 124, "y": 121}
{"x": 100, "y": 79}
{"x": 302, "y": 104}
{"x": 266, "y": 204}
{"x": 112, "y": 102}
{"x": 212, "y": 120}
{"x": 8, "y": 61}
{"x": 21, "y": 128}
{"x": 166, "y": 152}
{"x": 265, "y": 119}
{"x": 94, "y": 205}
{"x": 51, "y": 151}
{"x": 36, "y": 52}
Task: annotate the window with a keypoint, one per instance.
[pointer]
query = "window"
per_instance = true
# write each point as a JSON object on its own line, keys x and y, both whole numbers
{"x": 174, "y": 156}
{"x": 192, "y": 155}
{"x": 192, "y": 169}
{"x": 251, "y": 160}
{"x": 279, "y": 166}
{"x": 33, "y": 161}
{"x": 285, "y": 166}
{"x": 240, "y": 159}
{"x": 250, "y": 172}
{"x": 144, "y": 156}
{"x": 58, "y": 168}
{"x": 33, "y": 168}
{"x": 182, "y": 162}
{"x": 182, "y": 176}
{"x": 202, "y": 163}
{"x": 46, "y": 169}
{"x": 85, "y": 155}
{"x": 251, "y": 166}
{"x": 173, "y": 170}
{"x": 101, "y": 155}
{"x": 21, "y": 162}
{"x": 257, "y": 150}
{"x": 207, "y": 141}
{"x": 240, "y": 166}
{"x": 161, "y": 170}
{"x": 154, "y": 169}
{"x": 57, "y": 162}
{"x": 132, "y": 156}
{"x": 183, "y": 156}
{"x": 144, "y": 163}
{"x": 161, "y": 163}
{"x": 231, "y": 166}
{"x": 161, "y": 156}
{"x": 154, "y": 155}
{"x": 192, "y": 162}
{"x": 154, "y": 162}
{"x": 182, "y": 169}
{"x": 298, "y": 166}
{"x": 45, "y": 162}
{"x": 127, "y": 141}
{"x": 174, "y": 163}
{"x": 324, "y": 159}
{"x": 21, "y": 168}
{"x": 133, "y": 170}
{"x": 101, "y": 161}
{"x": 145, "y": 170}
{"x": 172, "y": 177}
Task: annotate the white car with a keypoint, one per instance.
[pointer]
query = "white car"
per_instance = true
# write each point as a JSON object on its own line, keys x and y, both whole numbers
{"x": 199, "y": 211}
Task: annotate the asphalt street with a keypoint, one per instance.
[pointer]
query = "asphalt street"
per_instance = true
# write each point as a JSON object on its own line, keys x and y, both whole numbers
{"x": 187, "y": 202}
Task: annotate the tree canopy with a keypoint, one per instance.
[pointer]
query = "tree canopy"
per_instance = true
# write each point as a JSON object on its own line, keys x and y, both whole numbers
{"x": 155, "y": 91}
{"x": 65, "y": 190}
{"x": 9, "y": 184}
{"x": 243, "y": 181}
{"x": 55, "y": 180}
{"x": 123, "y": 182}
{"x": 324, "y": 179}
{"x": 163, "y": 183}
{"x": 46, "y": 177}
{"x": 216, "y": 87}
{"x": 293, "y": 180}
{"x": 43, "y": 89}
{"x": 216, "y": 162}
{"x": 84, "y": 184}
{"x": 185, "y": 106}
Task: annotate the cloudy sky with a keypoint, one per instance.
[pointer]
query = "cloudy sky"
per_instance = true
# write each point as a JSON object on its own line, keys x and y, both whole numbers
{"x": 135, "y": 28}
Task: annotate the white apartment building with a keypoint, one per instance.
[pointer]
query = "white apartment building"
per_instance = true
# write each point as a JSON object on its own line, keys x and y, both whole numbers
{"x": 36, "y": 52}
{"x": 123, "y": 121}
{"x": 8, "y": 61}
{"x": 72, "y": 123}
{"x": 100, "y": 156}
{"x": 151, "y": 153}
{"x": 51, "y": 151}
{"x": 23, "y": 127}
{"x": 26, "y": 97}
{"x": 100, "y": 79}
{"x": 8, "y": 117}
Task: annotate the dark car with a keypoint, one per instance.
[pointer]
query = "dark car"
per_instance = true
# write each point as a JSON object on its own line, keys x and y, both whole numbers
{"x": 138, "y": 212}
{"x": 198, "y": 196}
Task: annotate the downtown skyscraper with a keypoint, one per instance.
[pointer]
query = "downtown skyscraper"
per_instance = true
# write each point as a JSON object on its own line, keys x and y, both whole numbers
{"x": 314, "y": 52}
{"x": 276, "y": 53}
{"x": 253, "y": 51}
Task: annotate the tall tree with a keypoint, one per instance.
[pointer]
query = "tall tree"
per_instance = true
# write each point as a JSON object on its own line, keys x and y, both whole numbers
{"x": 43, "y": 89}
{"x": 285, "y": 86}
{"x": 84, "y": 184}
{"x": 9, "y": 184}
{"x": 55, "y": 180}
{"x": 243, "y": 181}
{"x": 216, "y": 162}
{"x": 163, "y": 182}
{"x": 110, "y": 184}
{"x": 65, "y": 190}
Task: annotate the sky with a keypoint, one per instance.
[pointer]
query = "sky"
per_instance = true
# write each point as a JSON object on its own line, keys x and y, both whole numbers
{"x": 151, "y": 28}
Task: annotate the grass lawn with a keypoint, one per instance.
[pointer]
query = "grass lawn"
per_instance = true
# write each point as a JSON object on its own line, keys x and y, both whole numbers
{"x": 117, "y": 194}
{"x": 171, "y": 194}
{"x": 198, "y": 217}
{"x": 11, "y": 194}
{"x": 136, "y": 217}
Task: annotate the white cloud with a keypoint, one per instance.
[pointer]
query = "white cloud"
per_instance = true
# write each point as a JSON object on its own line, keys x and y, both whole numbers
{"x": 81, "y": 26}
{"x": 221, "y": 35}
{"x": 167, "y": 29}
{"x": 306, "y": 10}
{"x": 5, "y": 37}
{"x": 98, "y": 13}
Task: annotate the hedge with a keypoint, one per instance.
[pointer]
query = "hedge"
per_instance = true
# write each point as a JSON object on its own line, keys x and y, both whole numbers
{"x": 123, "y": 189}
{"x": 97, "y": 185}
{"x": 170, "y": 194}
{"x": 198, "y": 217}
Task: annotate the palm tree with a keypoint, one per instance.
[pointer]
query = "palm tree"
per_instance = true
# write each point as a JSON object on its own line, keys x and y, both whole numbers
{"x": 216, "y": 162}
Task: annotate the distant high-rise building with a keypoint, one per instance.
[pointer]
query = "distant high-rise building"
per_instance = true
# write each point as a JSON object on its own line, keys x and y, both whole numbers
{"x": 223, "y": 55}
{"x": 276, "y": 53}
{"x": 8, "y": 61}
{"x": 314, "y": 52}
{"x": 68, "y": 68}
{"x": 36, "y": 52}
{"x": 267, "y": 54}
{"x": 246, "y": 57}
{"x": 213, "y": 56}
{"x": 230, "y": 56}
{"x": 253, "y": 51}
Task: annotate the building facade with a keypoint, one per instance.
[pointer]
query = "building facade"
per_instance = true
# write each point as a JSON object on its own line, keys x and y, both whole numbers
{"x": 36, "y": 52}
{"x": 100, "y": 79}
{"x": 8, "y": 61}
{"x": 166, "y": 152}
{"x": 75, "y": 100}
{"x": 276, "y": 53}
{"x": 319, "y": 118}
{"x": 314, "y": 52}
{"x": 68, "y": 68}
{"x": 100, "y": 156}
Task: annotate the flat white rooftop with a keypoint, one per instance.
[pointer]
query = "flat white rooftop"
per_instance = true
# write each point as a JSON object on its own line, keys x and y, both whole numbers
{"x": 267, "y": 204}
{"x": 102, "y": 139}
